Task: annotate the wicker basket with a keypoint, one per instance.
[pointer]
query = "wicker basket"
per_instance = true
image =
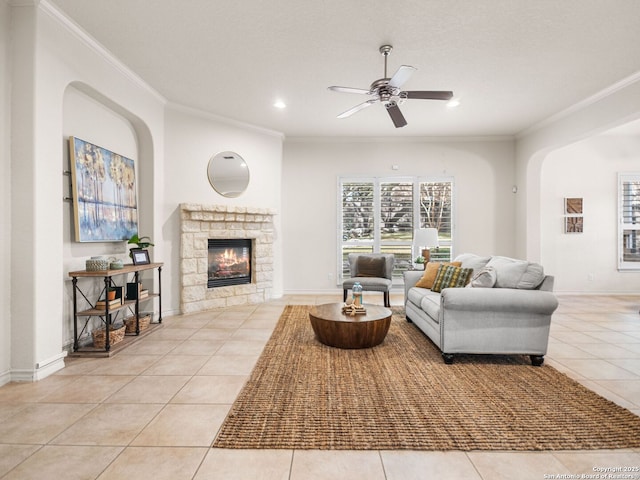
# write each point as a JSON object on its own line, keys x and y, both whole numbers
{"x": 116, "y": 335}
{"x": 130, "y": 323}
{"x": 96, "y": 264}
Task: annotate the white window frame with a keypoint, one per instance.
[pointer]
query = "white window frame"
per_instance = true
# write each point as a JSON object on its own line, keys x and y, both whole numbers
{"x": 419, "y": 180}
{"x": 625, "y": 265}
{"x": 377, "y": 243}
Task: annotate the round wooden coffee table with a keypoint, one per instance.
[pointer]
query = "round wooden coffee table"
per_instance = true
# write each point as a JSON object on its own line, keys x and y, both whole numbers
{"x": 336, "y": 329}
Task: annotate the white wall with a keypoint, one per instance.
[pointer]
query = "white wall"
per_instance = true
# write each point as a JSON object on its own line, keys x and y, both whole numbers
{"x": 49, "y": 55}
{"x": 483, "y": 172}
{"x": 617, "y": 105}
{"x": 23, "y": 324}
{"x": 192, "y": 138}
{"x": 86, "y": 118}
{"x": 541, "y": 149}
{"x": 587, "y": 262}
{"x": 66, "y": 84}
{"x": 5, "y": 195}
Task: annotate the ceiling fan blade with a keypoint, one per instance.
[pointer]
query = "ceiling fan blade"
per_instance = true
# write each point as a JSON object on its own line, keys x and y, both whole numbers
{"x": 361, "y": 91}
{"x": 402, "y": 75}
{"x": 396, "y": 114}
{"x": 357, "y": 108}
{"x": 426, "y": 95}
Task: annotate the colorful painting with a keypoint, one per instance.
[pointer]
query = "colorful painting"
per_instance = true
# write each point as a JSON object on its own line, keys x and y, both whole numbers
{"x": 104, "y": 193}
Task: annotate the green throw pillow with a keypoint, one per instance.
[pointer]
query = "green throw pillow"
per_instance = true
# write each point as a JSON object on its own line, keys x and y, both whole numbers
{"x": 451, "y": 277}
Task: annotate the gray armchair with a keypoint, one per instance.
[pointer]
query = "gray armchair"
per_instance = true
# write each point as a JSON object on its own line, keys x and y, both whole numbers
{"x": 373, "y": 271}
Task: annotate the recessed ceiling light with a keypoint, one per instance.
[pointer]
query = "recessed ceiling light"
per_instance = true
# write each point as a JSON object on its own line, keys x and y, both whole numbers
{"x": 280, "y": 104}
{"x": 454, "y": 102}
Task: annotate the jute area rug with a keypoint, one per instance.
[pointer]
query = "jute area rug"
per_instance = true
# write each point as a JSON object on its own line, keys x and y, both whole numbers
{"x": 400, "y": 395}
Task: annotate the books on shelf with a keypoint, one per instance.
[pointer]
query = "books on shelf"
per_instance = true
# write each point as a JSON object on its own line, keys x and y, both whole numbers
{"x": 102, "y": 303}
{"x": 132, "y": 290}
{"x": 136, "y": 291}
{"x": 119, "y": 292}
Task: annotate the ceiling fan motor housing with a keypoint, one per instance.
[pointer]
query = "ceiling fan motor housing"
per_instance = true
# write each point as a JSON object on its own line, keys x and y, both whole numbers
{"x": 382, "y": 89}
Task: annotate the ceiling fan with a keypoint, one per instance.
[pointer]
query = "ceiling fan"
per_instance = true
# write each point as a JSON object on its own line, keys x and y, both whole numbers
{"x": 387, "y": 91}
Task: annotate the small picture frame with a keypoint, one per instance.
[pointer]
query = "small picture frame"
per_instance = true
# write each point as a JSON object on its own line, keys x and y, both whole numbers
{"x": 140, "y": 256}
{"x": 573, "y": 206}
{"x": 573, "y": 224}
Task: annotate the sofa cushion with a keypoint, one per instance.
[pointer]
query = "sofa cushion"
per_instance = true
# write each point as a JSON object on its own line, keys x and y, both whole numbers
{"x": 509, "y": 271}
{"x": 513, "y": 273}
{"x": 416, "y": 294}
{"x": 484, "y": 278}
{"x": 532, "y": 277}
{"x": 470, "y": 260}
{"x": 450, "y": 276}
{"x": 430, "y": 305}
{"x": 430, "y": 272}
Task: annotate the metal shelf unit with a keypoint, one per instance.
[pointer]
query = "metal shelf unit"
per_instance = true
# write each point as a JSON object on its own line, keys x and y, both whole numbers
{"x": 106, "y": 313}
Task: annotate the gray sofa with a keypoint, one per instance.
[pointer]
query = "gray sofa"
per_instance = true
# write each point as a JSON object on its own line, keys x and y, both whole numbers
{"x": 505, "y": 309}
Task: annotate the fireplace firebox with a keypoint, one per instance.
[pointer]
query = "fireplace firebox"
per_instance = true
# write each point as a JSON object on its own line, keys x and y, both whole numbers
{"x": 229, "y": 262}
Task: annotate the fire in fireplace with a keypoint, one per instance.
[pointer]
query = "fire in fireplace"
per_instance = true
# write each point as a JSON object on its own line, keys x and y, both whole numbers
{"x": 229, "y": 262}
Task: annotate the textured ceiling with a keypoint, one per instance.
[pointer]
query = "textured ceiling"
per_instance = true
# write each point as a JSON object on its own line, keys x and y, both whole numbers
{"x": 512, "y": 63}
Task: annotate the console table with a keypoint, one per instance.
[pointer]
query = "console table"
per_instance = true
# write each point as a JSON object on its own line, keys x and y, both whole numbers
{"x": 106, "y": 313}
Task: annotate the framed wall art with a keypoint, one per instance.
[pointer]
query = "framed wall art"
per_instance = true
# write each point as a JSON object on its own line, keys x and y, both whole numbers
{"x": 573, "y": 206}
{"x": 573, "y": 215}
{"x": 104, "y": 193}
{"x": 573, "y": 224}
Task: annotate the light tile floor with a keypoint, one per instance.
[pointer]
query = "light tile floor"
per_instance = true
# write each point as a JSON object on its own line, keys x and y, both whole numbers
{"x": 153, "y": 410}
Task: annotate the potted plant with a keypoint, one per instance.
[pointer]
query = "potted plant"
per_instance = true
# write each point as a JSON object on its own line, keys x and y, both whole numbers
{"x": 419, "y": 263}
{"x": 111, "y": 293}
{"x": 140, "y": 242}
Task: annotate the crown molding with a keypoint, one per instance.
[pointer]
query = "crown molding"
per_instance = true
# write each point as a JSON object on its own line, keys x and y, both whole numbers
{"x": 581, "y": 105}
{"x": 401, "y": 139}
{"x": 227, "y": 121}
{"x": 22, "y": 3}
{"x": 81, "y": 35}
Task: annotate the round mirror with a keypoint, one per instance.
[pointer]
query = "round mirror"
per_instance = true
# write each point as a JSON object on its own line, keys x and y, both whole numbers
{"x": 228, "y": 174}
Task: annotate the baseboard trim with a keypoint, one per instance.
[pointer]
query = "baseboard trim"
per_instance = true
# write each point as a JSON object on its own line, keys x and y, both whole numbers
{"x": 54, "y": 359}
{"x": 21, "y": 375}
{"x": 43, "y": 369}
{"x": 5, "y": 377}
{"x": 50, "y": 366}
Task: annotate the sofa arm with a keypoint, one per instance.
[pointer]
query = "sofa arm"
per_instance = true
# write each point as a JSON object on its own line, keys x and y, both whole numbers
{"x": 498, "y": 300}
{"x": 411, "y": 277}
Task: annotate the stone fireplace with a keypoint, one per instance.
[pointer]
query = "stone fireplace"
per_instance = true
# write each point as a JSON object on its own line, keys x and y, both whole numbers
{"x": 201, "y": 223}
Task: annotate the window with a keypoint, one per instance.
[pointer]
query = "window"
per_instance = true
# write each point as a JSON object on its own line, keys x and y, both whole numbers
{"x": 629, "y": 221}
{"x": 435, "y": 212}
{"x": 380, "y": 214}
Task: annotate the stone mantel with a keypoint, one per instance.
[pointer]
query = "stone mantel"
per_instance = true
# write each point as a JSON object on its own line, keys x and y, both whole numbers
{"x": 198, "y": 224}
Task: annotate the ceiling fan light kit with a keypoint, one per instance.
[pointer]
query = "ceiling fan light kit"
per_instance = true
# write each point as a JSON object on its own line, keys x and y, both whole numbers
{"x": 387, "y": 92}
